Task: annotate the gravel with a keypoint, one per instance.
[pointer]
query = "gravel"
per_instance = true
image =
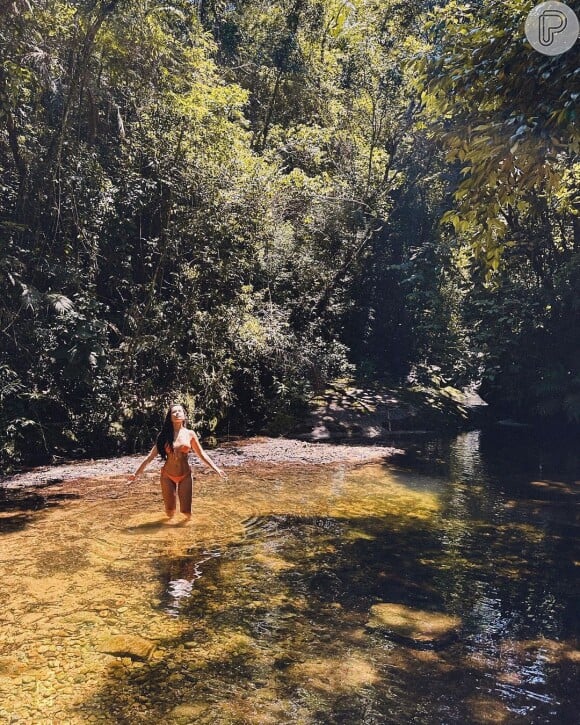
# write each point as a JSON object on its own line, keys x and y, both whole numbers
{"x": 239, "y": 453}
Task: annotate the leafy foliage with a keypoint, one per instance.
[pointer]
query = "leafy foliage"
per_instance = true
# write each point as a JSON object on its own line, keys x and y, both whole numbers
{"x": 230, "y": 204}
{"x": 507, "y": 114}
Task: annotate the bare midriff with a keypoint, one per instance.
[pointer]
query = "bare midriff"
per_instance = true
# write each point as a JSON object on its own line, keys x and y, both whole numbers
{"x": 176, "y": 463}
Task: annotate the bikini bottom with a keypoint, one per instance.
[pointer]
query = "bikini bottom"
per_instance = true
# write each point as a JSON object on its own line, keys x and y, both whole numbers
{"x": 176, "y": 479}
{"x": 174, "y": 487}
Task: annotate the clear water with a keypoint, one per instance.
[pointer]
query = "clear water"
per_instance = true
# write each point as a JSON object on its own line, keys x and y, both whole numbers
{"x": 259, "y": 607}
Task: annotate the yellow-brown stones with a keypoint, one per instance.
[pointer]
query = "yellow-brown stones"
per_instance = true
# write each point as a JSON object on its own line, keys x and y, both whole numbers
{"x": 344, "y": 675}
{"x": 415, "y": 627}
{"x": 127, "y": 645}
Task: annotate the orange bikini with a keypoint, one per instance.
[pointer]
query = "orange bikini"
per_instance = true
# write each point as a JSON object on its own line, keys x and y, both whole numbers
{"x": 175, "y": 479}
{"x": 170, "y": 490}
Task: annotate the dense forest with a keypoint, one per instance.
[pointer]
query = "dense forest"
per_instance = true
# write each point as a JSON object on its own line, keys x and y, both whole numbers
{"x": 232, "y": 203}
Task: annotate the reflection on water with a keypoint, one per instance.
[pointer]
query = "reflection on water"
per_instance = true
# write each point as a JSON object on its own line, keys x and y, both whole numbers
{"x": 261, "y": 609}
{"x": 187, "y": 570}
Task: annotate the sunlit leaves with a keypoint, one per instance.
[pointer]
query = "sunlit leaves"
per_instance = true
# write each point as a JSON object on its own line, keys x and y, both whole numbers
{"x": 505, "y": 112}
{"x": 61, "y": 303}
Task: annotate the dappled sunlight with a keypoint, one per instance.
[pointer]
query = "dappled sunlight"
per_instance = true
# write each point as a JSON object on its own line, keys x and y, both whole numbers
{"x": 290, "y": 592}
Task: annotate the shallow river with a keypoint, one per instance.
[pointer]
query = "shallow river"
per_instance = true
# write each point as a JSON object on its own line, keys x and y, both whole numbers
{"x": 259, "y": 609}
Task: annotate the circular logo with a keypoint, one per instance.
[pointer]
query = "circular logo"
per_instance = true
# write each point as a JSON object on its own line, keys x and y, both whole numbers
{"x": 552, "y": 28}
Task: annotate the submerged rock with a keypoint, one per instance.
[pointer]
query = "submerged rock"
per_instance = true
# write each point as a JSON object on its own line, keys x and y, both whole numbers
{"x": 335, "y": 675}
{"x": 188, "y": 712}
{"x": 127, "y": 645}
{"x": 488, "y": 710}
{"x": 416, "y": 627}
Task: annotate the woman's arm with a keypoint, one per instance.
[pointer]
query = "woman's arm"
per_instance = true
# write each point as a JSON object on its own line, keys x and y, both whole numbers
{"x": 202, "y": 455}
{"x": 146, "y": 462}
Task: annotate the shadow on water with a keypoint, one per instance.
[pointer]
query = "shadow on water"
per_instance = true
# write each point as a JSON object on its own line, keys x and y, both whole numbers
{"x": 15, "y": 500}
{"x": 19, "y": 508}
{"x": 15, "y": 521}
{"x": 149, "y": 526}
{"x": 276, "y": 626}
{"x": 264, "y": 609}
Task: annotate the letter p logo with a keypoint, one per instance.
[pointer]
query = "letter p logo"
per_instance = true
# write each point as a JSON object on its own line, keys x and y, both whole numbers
{"x": 552, "y": 28}
{"x": 552, "y": 22}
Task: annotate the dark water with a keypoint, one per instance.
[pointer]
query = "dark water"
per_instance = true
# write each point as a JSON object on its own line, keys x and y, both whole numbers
{"x": 481, "y": 527}
{"x": 264, "y": 608}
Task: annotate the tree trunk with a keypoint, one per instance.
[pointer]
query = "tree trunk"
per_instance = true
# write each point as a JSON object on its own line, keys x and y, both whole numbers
{"x": 19, "y": 162}
{"x": 78, "y": 78}
{"x": 259, "y": 146}
{"x": 323, "y": 301}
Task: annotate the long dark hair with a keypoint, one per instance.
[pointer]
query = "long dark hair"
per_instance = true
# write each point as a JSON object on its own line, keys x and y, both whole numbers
{"x": 165, "y": 436}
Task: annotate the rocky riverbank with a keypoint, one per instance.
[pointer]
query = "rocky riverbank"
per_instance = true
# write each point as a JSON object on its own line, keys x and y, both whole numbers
{"x": 375, "y": 413}
{"x": 244, "y": 452}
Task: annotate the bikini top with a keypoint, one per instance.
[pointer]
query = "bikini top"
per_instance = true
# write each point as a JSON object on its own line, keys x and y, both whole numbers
{"x": 181, "y": 449}
{"x": 182, "y": 442}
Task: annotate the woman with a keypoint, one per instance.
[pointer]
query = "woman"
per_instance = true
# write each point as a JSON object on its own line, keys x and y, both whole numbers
{"x": 173, "y": 444}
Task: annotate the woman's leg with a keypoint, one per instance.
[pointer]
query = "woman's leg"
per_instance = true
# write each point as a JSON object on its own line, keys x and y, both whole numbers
{"x": 184, "y": 492}
{"x": 168, "y": 490}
